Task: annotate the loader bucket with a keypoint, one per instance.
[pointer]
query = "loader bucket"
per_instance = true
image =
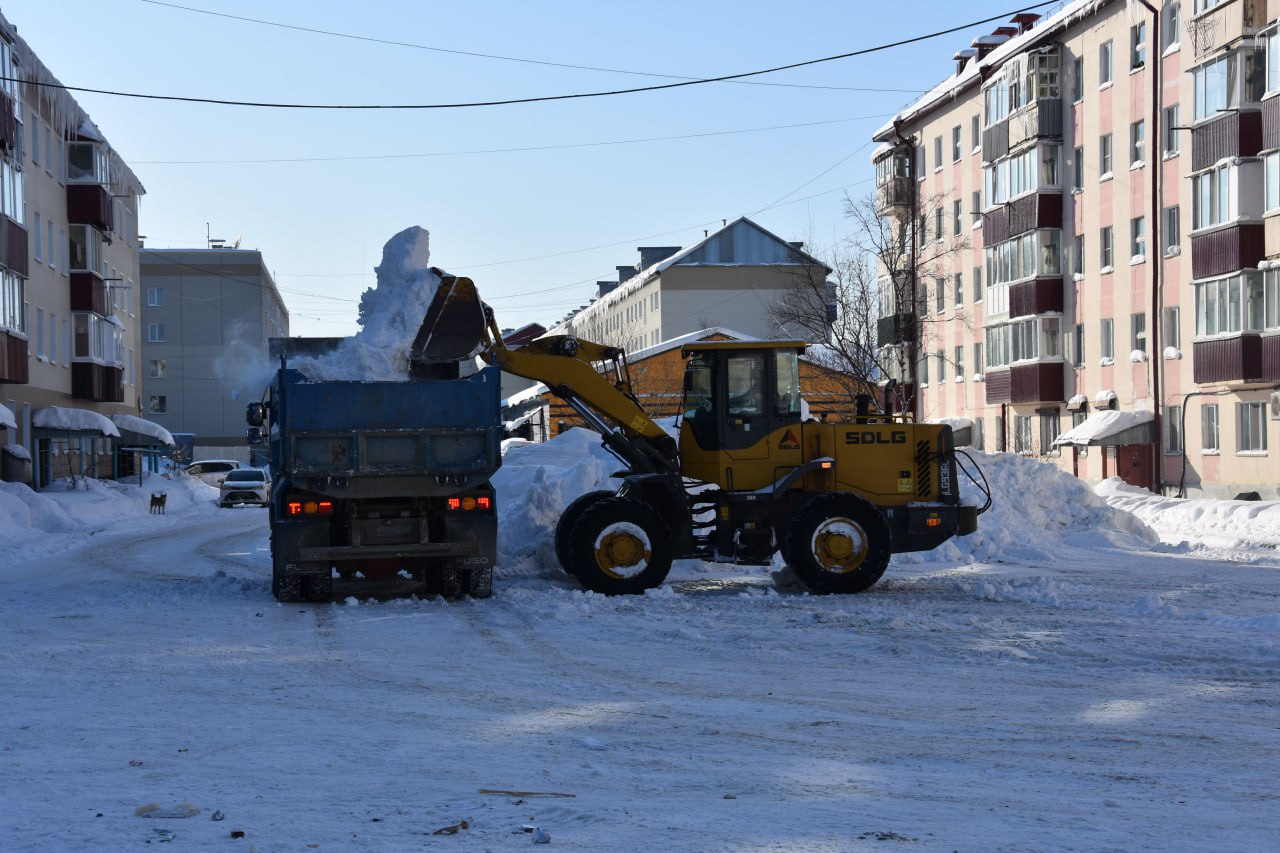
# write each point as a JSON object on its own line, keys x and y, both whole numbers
{"x": 454, "y": 327}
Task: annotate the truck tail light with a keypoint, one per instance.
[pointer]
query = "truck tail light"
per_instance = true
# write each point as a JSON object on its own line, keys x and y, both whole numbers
{"x": 470, "y": 502}
{"x": 297, "y": 507}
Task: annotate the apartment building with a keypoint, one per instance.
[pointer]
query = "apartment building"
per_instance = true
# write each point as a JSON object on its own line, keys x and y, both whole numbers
{"x": 69, "y": 334}
{"x": 733, "y": 278}
{"x": 1088, "y": 279}
{"x": 208, "y": 315}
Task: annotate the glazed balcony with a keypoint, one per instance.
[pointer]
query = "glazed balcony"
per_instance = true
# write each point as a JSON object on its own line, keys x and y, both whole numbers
{"x": 97, "y": 382}
{"x": 1027, "y": 213}
{"x": 1038, "y": 296}
{"x": 13, "y": 247}
{"x": 895, "y": 329}
{"x": 1039, "y": 382}
{"x": 1234, "y": 359}
{"x": 88, "y": 293}
{"x": 9, "y": 127}
{"x": 13, "y": 359}
{"x": 90, "y": 204}
{"x": 1236, "y": 247}
{"x": 1231, "y": 134}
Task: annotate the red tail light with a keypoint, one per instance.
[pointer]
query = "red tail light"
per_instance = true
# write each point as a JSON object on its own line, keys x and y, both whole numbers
{"x": 469, "y": 503}
{"x": 309, "y": 507}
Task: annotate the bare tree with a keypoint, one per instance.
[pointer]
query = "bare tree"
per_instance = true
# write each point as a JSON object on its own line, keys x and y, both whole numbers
{"x": 876, "y": 297}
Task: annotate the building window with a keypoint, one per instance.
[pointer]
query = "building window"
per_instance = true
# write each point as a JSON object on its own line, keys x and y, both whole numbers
{"x": 1078, "y": 346}
{"x": 1211, "y": 197}
{"x": 955, "y": 143}
{"x": 1105, "y": 339}
{"x": 1104, "y": 156}
{"x": 1172, "y": 229}
{"x": 1105, "y": 52}
{"x": 1050, "y": 428}
{"x": 155, "y": 333}
{"x": 959, "y": 289}
{"x": 1170, "y": 327}
{"x": 937, "y": 152}
{"x": 1272, "y": 164}
{"x": 1138, "y": 45}
{"x": 1273, "y": 60}
{"x": 1215, "y": 86}
{"x": 1172, "y": 423}
{"x": 1246, "y": 301}
{"x": 977, "y": 207}
{"x": 959, "y": 363}
{"x": 1022, "y": 434}
{"x": 1171, "y": 25}
{"x": 1077, "y": 169}
{"x": 1138, "y": 237}
{"x": 924, "y": 370}
{"x": 1251, "y": 427}
{"x": 155, "y": 297}
{"x": 975, "y": 130}
{"x": 977, "y": 284}
{"x": 1105, "y": 249}
{"x": 1137, "y": 142}
{"x": 942, "y": 366}
{"x": 40, "y": 333}
{"x": 1077, "y": 255}
{"x": 39, "y": 247}
{"x": 1172, "y": 135}
{"x": 156, "y": 368}
{"x": 937, "y": 224}
{"x": 978, "y": 366}
{"x": 159, "y": 404}
{"x": 1077, "y": 80}
{"x": 940, "y": 294}
{"x": 1209, "y": 427}
{"x": 1138, "y": 325}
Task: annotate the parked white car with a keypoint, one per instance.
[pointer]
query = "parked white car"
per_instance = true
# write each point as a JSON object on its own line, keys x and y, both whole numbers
{"x": 213, "y": 471}
{"x": 245, "y": 486}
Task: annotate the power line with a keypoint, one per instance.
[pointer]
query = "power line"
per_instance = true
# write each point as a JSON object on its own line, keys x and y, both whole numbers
{"x": 477, "y": 55}
{"x": 541, "y": 98}
{"x": 600, "y": 144}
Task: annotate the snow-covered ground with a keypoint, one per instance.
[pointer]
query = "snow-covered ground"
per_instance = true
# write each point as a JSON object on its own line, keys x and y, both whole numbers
{"x": 1087, "y": 672}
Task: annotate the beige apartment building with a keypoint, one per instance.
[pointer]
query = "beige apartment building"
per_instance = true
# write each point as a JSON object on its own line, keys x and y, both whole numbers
{"x": 1090, "y": 212}
{"x": 69, "y": 318}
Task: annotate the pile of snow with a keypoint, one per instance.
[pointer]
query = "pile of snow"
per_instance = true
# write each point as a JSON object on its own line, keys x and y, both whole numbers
{"x": 535, "y": 484}
{"x": 1228, "y": 523}
{"x": 68, "y": 506}
{"x": 1037, "y": 511}
{"x": 390, "y": 315}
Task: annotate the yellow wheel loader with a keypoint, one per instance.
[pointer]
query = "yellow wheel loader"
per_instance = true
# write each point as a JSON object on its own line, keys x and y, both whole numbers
{"x": 748, "y": 476}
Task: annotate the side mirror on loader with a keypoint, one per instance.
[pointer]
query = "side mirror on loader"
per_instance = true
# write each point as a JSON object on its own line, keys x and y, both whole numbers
{"x": 255, "y": 414}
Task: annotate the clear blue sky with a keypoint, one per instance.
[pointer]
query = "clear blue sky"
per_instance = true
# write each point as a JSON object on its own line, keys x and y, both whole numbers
{"x": 534, "y": 228}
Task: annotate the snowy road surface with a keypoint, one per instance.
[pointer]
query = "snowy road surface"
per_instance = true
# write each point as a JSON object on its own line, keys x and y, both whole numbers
{"x": 1111, "y": 697}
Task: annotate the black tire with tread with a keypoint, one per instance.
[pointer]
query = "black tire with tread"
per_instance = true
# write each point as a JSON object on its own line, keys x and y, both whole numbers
{"x": 850, "y": 508}
{"x": 597, "y": 518}
{"x": 570, "y": 516}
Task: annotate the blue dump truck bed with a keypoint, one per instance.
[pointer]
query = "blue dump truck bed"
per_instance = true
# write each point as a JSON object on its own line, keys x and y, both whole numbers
{"x": 382, "y": 488}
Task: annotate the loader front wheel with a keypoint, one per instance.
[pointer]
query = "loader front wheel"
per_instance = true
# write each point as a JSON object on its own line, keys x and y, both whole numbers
{"x": 619, "y": 547}
{"x": 838, "y": 543}
{"x": 570, "y": 516}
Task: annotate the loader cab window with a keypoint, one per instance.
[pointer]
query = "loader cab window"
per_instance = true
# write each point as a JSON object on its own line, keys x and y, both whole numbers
{"x": 699, "y": 398}
{"x": 744, "y": 374}
{"x": 786, "y": 375}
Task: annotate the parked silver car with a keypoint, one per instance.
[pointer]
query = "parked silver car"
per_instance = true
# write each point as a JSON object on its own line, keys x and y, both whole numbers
{"x": 245, "y": 486}
{"x": 212, "y": 471}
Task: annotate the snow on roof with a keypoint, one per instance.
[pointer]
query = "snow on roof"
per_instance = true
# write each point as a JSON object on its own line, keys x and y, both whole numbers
{"x": 956, "y": 424}
{"x": 1102, "y": 424}
{"x": 1105, "y": 396}
{"x": 681, "y": 340}
{"x": 17, "y": 451}
{"x": 525, "y": 395}
{"x": 1078, "y": 399}
{"x": 75, "y": 420}
{"x": 975, "y": 71}
{"x": 6, "y": 418}
{"x": 143, "y": 426}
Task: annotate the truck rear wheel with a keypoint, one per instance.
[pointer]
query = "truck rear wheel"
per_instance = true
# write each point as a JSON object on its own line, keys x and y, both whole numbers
{"x": 619, "y": 547}
{"x": 838, "y": 542}
{"x": 568, "y": 518}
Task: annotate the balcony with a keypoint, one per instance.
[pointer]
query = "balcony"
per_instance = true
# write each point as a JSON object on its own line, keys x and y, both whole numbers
{"x": 1027, "y": 213}
{"x": 97, "y": 382}
{"x": 90, "y": 204}
{"x": 1271, "y": 358}
{"x": 1234, "y": 359}
{"x": 1039, "y": 296}
{"x": 13, "y": 247}
{"x": 9, "y": 128}
{"x": 1232, "y": 134}
{"x": 88, "y": 293}
{"x": 13, "y": 359}
{"x": 1041, "y": 119}
{"x": 895, "y": 329}
{"x": 1236, "y": 247}
{"x": 895, "y": 196}
{"x": 1040, "y": 382}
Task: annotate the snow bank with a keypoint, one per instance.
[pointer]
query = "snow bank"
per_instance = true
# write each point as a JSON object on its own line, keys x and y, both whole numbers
{"x": 390, "y": 315}
{"x": 1037, "y": 511}
{"x": 1238, "y": 524}
{"x": 535, "y": 484}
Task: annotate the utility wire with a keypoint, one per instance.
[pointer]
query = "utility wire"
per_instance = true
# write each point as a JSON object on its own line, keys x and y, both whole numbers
{"x": 600, "y": 144}
{"x": 541, "y": 98}
{"x": 477, "y": 55}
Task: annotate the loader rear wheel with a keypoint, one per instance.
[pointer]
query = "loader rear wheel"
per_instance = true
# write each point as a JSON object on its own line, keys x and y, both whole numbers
{"x": 570, "y": 516}
{"x": 838, "y": 542}
{"x": 619, "y": 547}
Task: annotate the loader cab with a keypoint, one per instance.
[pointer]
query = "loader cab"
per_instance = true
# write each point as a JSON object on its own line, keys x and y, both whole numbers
{"x": 741, "y": 411}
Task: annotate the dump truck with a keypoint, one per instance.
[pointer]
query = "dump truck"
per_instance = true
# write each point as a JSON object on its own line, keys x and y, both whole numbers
{"x": 381, "y": 488}
{"x": 747, "y": 475}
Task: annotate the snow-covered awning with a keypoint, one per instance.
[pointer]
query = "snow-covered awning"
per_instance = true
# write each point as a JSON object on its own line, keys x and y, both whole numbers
{"x": 1105, "y": 399}
{"x": 7, "y": 419}
{"x": 73, "y": 420}
{"x": 1109, "y": 428}
{"x": 1077, "y": 402}
{"x": 144, "y": 427}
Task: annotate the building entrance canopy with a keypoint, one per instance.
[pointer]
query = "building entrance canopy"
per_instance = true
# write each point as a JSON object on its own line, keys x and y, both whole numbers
{"x": 1110, "y": 428}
